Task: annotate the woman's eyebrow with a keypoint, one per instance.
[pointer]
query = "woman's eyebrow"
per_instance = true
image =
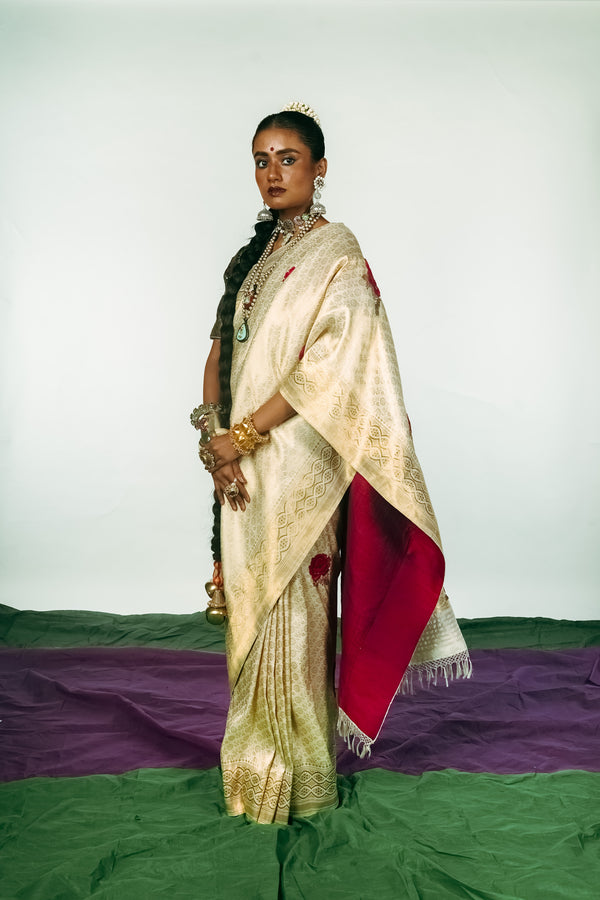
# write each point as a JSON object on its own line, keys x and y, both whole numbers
{"x": 279, "y": 152}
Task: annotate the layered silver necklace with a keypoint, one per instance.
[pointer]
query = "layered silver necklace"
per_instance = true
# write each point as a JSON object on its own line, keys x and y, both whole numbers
{"x": 259, "y": 273}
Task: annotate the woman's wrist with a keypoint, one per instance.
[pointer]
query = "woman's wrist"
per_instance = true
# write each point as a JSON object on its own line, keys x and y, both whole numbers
{"x": 245, "y": 438}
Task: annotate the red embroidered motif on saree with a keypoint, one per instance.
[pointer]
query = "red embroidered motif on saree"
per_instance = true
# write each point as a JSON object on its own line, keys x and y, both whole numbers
{"x": 319, "y": 567}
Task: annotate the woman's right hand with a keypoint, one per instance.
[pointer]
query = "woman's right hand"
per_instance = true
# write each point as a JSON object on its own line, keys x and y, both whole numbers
{"x": 226, "y": 476}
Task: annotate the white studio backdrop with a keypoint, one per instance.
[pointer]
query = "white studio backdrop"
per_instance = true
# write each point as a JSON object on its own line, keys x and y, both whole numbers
{"x": 463, "y": 143}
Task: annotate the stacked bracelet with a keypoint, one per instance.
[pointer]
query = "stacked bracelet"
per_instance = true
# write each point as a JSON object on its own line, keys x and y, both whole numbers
{"x": 206, "y": 419}
{"x": 200, "y": 416}
{"x": 245, "y": 438}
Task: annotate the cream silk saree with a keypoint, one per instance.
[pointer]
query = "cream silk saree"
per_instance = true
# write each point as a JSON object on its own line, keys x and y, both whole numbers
{"x": 319, "y": 335}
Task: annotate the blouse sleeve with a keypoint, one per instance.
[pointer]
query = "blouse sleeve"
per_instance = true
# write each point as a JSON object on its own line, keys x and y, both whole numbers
{"x": 215, "y": 332}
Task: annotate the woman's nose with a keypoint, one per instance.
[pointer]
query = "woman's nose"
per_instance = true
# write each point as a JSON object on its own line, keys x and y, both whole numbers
{"x": 273, "y": 173}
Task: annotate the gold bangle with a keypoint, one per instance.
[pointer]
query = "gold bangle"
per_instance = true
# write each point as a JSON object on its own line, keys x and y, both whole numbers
{"x": 245, "y": 438}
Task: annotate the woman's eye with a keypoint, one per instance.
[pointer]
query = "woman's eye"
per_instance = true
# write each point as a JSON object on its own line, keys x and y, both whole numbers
{"x": 289, "y": 160}
{"x": 261, "y": 163}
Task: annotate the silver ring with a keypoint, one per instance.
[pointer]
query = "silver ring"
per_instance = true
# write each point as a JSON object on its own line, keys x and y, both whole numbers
{"x": 232, "y": 490}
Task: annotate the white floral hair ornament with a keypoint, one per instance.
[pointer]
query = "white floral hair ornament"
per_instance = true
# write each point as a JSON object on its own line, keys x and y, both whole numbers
{"x": 297, "y": 106}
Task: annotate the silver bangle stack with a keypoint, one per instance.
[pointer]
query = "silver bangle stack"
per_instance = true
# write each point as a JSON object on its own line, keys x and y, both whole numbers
{"x": 206, "y": 419}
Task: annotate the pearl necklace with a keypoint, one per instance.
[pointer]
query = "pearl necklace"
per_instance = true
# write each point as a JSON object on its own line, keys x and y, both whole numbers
{"x": 258, "y": 274}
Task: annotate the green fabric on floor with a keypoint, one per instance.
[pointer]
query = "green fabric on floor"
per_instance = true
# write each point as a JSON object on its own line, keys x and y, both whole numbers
{"x": 163, "y": 833}
{"x": 536, "y": 633}
{"x": 74, "y": 628}
{"x": 81, "y": 628}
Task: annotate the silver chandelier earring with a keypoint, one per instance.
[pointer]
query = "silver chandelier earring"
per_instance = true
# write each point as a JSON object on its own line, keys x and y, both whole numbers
{"x": 265, "y": 215}
{"x": 317, "y": 209}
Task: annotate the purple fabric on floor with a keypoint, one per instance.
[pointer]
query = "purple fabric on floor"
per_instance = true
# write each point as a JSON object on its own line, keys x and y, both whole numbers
{"x": 107, "y": 710}
{"x": 523, "y": 711}
{"x": 85, "y": 711}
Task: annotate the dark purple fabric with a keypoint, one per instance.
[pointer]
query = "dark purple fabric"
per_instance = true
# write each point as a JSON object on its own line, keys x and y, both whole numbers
{"x": 82, "y": 711}
{"x": 85, "y": 711}
{"x": 523, "y": 711}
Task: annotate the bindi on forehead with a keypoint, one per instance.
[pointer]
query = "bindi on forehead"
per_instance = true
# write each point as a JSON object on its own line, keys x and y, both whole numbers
{"x": 271, "y": 149}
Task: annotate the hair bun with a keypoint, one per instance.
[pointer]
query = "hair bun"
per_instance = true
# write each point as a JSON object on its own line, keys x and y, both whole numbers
{"x": 304, "y": 108}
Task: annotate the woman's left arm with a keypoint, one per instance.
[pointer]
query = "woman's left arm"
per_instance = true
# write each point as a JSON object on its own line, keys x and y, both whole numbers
{"x": 211, "y": 391}
{"x": 274, "y": 412}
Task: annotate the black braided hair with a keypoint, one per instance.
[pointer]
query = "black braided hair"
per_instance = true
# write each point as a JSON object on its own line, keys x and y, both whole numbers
{"x": 234, "y": 277}
{"x": 311, "y": 135}
{"x": 242, "y": 263}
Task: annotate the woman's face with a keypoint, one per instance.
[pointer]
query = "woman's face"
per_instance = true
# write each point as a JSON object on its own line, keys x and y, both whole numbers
{"x": 285, "y": 171}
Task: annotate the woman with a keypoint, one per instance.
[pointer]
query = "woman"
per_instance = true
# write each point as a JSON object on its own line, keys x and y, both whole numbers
{"x": 303, "y": 361}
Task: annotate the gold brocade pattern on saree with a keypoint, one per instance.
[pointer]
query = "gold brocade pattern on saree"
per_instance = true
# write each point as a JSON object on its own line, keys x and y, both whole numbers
{"x": 278, "y": 754}
{"x": 375, "y": 438}
{"x": 306, "y": 497}
{"x": 267, "y": 800}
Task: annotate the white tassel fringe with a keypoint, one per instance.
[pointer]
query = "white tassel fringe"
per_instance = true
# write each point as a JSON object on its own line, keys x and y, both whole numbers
{"x": 428, "y": 673}
{"x": 432, "y": 671}
{"x": 356, "y": 739}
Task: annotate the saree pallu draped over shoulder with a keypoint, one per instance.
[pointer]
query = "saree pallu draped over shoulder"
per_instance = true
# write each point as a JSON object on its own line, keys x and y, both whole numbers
{"x": 319, "y": 335}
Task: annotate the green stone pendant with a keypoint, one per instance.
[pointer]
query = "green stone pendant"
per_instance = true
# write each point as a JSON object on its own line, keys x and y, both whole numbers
{"x": 243, "y": 332}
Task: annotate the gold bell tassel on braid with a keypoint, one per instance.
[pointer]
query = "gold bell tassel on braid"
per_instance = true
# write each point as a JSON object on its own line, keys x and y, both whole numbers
{"x": 216, "y": 611}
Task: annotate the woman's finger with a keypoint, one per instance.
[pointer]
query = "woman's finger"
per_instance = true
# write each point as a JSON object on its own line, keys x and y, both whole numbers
{"x": 224, "y": 478}
{"x": 241, "y": 483}
{"x": 238, "y": 472}
{"x": 239, "y": 480}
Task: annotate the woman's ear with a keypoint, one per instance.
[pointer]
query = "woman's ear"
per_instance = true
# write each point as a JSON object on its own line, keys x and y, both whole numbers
{"x": 322, "y": 167}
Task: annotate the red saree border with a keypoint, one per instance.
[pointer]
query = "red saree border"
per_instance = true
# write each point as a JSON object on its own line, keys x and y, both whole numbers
{"x": 392, "y": 577}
